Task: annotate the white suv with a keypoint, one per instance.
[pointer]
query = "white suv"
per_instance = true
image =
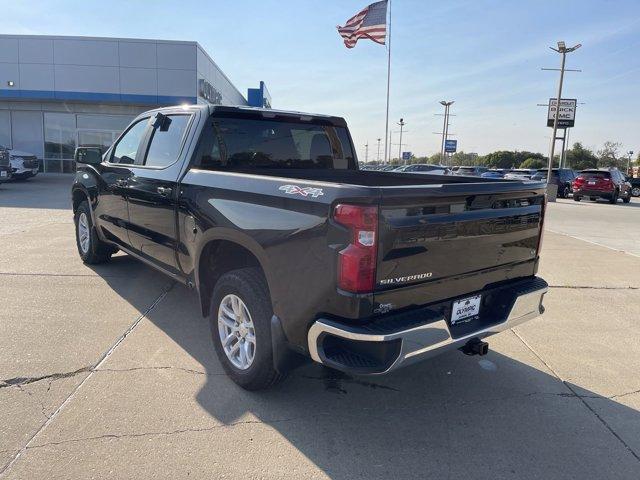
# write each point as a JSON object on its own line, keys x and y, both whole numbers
{"x": 23, "y": 164}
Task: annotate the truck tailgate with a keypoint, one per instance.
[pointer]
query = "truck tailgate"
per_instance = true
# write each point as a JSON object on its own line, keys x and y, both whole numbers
{"x": 444, "y": 235}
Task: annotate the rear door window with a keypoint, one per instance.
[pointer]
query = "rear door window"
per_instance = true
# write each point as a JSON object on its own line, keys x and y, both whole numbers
{"x": 166, "y": 141}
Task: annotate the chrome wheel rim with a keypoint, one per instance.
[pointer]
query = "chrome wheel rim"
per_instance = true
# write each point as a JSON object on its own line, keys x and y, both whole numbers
{"x": 83, "y": 232}
{"x": 635, "y": 192}
{"x": 237, "y": 332}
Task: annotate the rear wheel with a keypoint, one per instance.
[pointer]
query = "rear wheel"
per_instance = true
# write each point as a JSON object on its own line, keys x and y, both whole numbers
{"x": 576, "y": 198}
{"x": 92, "y": 250}
{"x": 614, "y": 198}
{"x": 627, "y": 197}
{"x": 240, "y": 319}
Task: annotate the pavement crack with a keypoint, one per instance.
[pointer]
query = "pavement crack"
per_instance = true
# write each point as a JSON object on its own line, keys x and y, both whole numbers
{"x": 36, "y": 398}
{"x": 160, "y": 367}
{"x": 114, "y": 436}
{"x": 21, "y": 381}
{"x": 103, "y": 358}
{"x": 582, "y": 398}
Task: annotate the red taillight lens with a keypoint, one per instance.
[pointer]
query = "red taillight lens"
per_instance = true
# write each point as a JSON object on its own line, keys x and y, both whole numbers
{"x": 357, "y": 262}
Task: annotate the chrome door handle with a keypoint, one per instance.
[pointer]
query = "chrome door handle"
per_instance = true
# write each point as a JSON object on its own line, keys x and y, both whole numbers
{"x": 164, "y": 191}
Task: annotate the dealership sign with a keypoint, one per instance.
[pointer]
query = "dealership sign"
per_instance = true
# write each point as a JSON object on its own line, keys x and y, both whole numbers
{"x": 566, "y": 113}
{"x": 208, "y": 92}
{"x": 450, "y": 146}
{"x": 406, "y": 155}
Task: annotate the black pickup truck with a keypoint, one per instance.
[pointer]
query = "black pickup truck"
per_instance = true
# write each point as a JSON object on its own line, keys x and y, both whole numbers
{"x": 296, "y": 253}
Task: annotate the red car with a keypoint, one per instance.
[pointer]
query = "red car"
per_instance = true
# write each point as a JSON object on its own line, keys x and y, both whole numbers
{"x": 606, "y": 183}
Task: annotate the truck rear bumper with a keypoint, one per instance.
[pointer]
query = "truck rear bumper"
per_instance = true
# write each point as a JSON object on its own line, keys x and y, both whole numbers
{"x": 395, "y": 341}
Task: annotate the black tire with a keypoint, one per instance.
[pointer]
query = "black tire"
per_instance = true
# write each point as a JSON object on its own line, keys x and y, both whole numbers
{"x": 97, "y": 251}
{"x": 250, "y": 286}
{"x": 565, "y": 192}
{"x": 627, "y": 198}
{"x": 576, "y": 198}
{"x": 614, "y": 198}
{"x": 635, "y": 191}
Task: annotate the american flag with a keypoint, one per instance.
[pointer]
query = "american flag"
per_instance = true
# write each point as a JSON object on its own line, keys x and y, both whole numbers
{"x": 370, "y": 22}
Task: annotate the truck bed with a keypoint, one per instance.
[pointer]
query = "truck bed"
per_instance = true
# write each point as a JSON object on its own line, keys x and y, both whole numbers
{"x": 367, "y": 178}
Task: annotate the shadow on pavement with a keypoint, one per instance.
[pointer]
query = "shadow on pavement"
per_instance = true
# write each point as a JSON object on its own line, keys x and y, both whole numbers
{"x": 451, "y": 417}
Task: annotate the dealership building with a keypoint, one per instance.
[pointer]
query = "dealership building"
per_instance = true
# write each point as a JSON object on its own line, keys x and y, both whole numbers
{"x": 60, "y": 92}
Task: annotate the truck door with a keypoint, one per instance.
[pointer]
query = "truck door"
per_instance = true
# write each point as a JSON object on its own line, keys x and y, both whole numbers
{"x": 111, "y": 214}
{"x": 152, "y": 191}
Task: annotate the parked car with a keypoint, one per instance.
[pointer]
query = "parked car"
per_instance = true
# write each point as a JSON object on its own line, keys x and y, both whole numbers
{"x": 295, "y": 253}
{"x": 521, "y": 174}
{"x": 23, "y": 164}
{"x": 635, "y": 186}
{"x": 608, "y": 183}
{"x": 423, "y": 168}
{"x": 471, "y": 171}
{"x": 562, "y": 177}
{"x": 495, "y": 173}
{"x": 5, "y": 165}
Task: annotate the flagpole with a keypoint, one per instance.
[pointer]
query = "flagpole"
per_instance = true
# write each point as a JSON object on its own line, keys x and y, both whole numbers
{"x": 386, "y": 125}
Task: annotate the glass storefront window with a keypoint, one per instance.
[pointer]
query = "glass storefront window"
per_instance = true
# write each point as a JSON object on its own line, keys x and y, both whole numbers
{"x": 5, "y": 128}
{"x": 115, "y": 123}
{"x": 59, "y": 135}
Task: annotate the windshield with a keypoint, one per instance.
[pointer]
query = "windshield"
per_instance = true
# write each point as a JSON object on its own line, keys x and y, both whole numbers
{"x": 250, "y": 143}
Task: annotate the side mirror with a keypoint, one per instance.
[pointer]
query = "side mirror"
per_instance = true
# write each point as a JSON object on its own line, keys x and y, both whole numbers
{"x": 88, "y": 155}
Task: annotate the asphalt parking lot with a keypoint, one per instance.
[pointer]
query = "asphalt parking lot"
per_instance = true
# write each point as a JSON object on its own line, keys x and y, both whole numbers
{"x": 108, "y": 372}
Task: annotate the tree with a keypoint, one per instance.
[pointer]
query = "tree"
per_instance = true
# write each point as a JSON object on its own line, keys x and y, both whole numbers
{"x": 462, "y": 158}
{"x": 610, "y": 155}
{"x": 534, "y": 163}
{"x": 581, "y": 158}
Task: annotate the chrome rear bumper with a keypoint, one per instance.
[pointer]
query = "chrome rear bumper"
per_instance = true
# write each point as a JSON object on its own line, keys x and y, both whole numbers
{"x": 359, "y": 349}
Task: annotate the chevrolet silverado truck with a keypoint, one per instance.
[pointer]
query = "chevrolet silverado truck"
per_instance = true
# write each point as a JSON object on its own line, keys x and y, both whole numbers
{"x": 296, "y": 253}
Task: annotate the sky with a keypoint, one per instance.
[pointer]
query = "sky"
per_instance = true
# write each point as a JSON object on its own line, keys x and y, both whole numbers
{"x": 484, "y": 55}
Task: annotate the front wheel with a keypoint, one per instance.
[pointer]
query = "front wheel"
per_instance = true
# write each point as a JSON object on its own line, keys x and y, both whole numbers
{"x": 627, "y": 197}
{"x": 635, "y": 191}
{"x": 565, "y": 192}
{"x": 92, "y": 250}
{"x": 240, "y": 319}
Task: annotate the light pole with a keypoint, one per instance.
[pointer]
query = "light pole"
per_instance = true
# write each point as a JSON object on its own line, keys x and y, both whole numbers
{"x": 378, "y": 157}
{"x": 402, "y": 124}
{"x": 366, "y": 152}
{"x": 445, "y": 126}
{"x": 563, "y": 50}
{"x": 630, "y": 153}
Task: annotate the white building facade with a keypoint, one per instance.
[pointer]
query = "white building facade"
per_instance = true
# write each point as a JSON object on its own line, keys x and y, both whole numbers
{"x": 60, "y": 92}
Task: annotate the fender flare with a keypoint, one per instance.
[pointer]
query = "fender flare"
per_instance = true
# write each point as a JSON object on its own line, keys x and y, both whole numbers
{"x": 240, "y": 239}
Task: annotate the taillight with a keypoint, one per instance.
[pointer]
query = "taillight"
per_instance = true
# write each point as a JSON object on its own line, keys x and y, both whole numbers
{"x": 357, "y": 262}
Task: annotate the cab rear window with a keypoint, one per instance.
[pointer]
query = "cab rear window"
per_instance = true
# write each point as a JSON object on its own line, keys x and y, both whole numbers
{"x": 241, "y": 143}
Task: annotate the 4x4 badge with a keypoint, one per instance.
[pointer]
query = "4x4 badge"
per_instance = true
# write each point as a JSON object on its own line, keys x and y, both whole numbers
{"x": 304, "y": 191}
